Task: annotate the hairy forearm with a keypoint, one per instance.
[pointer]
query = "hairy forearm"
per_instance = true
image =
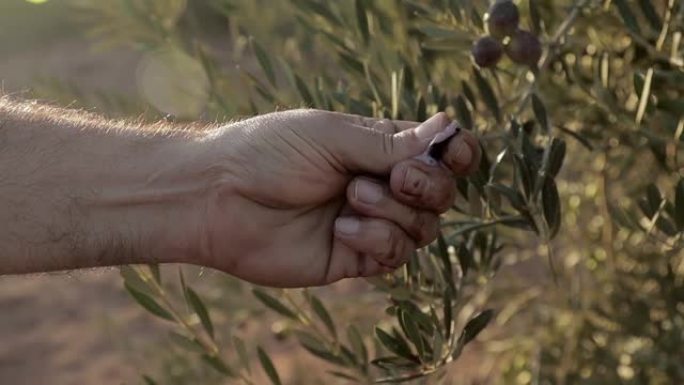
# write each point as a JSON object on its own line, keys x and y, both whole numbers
{"x": 79, "y": 191}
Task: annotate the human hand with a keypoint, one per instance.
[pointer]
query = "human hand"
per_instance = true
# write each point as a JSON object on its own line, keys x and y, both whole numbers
{"x": 309, "y": 197}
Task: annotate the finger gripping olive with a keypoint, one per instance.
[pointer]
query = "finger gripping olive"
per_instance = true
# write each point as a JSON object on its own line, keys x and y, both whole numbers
{"x": 487, "y": 51}
{"x": 524, "y": 48}
{"x": 503, "y": 18}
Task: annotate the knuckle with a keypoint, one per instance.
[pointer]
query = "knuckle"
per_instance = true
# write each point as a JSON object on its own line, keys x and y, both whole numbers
{"x": 388, "y": 143}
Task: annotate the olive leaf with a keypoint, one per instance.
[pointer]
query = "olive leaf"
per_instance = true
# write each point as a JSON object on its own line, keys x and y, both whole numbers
{"x": 273, "y": 303}
{"x": 268, "y": 367}
{"x": 200, "y": 309}
{"x": 148, "y": 303}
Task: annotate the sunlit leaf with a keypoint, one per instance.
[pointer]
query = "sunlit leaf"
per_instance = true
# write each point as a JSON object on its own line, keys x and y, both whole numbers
{"x": 200, "y": 309}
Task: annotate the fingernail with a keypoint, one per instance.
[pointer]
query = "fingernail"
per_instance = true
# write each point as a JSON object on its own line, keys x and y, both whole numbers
{"x": 430, "y": 128}
{"x": 368, "y": 192}
{"x": 414, "y": 181}
{"x": 347, "y": 225}
{"x": 461, "y": 154}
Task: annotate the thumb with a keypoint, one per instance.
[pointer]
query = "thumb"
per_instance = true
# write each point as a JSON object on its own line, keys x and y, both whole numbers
{"x": 376, "y": 152}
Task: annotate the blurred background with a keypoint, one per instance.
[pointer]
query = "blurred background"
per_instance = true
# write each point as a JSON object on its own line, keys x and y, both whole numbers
{"x": 615, "y": 315}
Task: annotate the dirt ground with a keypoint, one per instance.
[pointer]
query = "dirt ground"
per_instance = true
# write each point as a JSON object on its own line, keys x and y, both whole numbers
{"x": 67, "y": 328}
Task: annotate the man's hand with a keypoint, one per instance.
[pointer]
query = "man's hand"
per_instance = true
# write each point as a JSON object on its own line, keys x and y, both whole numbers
{"x": 295, "y": 198}
{"x": 308, "y": 197}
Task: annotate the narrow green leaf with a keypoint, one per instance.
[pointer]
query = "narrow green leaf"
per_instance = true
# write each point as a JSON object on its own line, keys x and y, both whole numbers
{"x": 515, "y": 198}
{"x": 410, "y": 328}
{"x": 465, "y": 259}
{"x": 463, "y": 113}
{"x": 264, "y": 62}
{"x": 356, "y": 342}
{"x": 362, "y": 20}
{"x": 540, "y": 113}
{"x": 476, "y": 325}
{"x": 524, "y": 173}
{"x": 304, "y": 91}
{"x": 394, "y": 363}
{"x": 535, "y": 17}
{"x": 321, "y": 9}
{"x": 185, "y": 342}
{"x": 148, "y": 303}
{"x": 487, "y": 94}
{"x": 133, "y": 279}
{"x": 654, "y": 197}
{"x": 323, "y": 314}
{"x": 551, "y": 206}
{"x": 148, "y": 380}
{"x": 219, "y": 365}
{"x": 424, "y": 321}
{"x": 469, "y": 94}
{"x": 268, "y": 367}
{"x": 156, "y": 274}
{"x": 421, "y": 111}
{"x": 448, "y": 312}
{"x": 317, "y": 348}
{"x": 627, "y": 16}
{"x": 679, "y": 205}
{"x": 443, "y": 252}
{"x": 394, "y": 345}
{"x": 666, "y": 226}
{"x": 239, "y": 345}
{"x": 453, "y": 35}
{"x": 556, "y": 156}
{"x": 274, "y": 304}
{"x": 200, "y": 309}
{"x": 343, "y": 376}
{"x": 651, "y": 15}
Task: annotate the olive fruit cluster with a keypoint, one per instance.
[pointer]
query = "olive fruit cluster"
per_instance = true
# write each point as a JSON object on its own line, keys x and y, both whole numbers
{"x": 503, "y": 19}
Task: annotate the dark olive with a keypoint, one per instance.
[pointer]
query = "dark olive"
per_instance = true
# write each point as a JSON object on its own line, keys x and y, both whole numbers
{"x": 524, "y": 48}
{"x": 487, "y": 51}
{"x": 503, "y": 18}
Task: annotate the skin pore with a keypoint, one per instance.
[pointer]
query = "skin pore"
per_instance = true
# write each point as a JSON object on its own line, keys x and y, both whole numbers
{"x": 292, "y": 198}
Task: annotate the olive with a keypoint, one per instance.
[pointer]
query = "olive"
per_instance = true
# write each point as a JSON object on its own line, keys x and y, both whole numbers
{"x": 487, "y": 51}
{"x": 503, "y": 18}
{"x": 524, "y": 48}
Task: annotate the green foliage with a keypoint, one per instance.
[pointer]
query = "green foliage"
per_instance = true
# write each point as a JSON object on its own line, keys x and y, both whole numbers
{"x": 581, "y": 168}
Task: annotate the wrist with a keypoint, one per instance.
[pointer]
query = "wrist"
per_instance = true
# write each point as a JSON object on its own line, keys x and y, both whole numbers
{"x": 155, "y": 203}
